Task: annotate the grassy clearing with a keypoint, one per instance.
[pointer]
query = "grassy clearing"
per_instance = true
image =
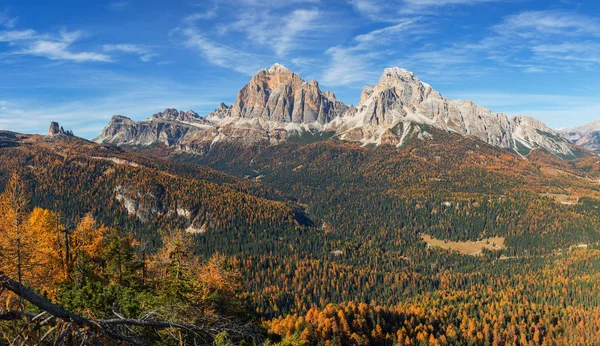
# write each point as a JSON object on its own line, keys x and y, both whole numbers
{"x": 473, "y": 248}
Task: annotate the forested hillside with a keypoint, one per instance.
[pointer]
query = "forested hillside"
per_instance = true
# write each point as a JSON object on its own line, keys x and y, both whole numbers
{"x": 322, "y": 239}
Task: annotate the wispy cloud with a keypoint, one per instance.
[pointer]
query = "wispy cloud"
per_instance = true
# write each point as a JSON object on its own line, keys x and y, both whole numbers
{"x": 389, "y": 32}
{"x": 280, "y": 32}
{"x": 348, "y": 66}
{"x": 427, "y": 6}
{"x": 263, "y": 32}
{"x": 15, "y": 36}
{"x": 209, "y": 12}
{"x": 7, "y": 21}
{"x": 389, "y": 10}
{"x": 361, "y": 59}
{"x": 544, "y": 41}
{"x": 58, "y": 48}
{"x": 219, "y": 54}
{"x": 53, "y": 47}
{"x": 144, "y": 52}
{"x": 533, "y": 24}
{"x": 530, "y": 41}
{"x": 119, "y": 5}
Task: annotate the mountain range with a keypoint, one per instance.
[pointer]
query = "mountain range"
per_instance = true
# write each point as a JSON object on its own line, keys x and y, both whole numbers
{"x": 277, "y": 105}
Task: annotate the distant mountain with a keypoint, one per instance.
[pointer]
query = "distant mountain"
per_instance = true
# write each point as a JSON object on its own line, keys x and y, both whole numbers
{"x": 277, "y": 104}
{"x": 586, "y": 136}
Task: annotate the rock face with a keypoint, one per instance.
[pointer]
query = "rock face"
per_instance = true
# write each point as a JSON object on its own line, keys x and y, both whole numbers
{"x": 55, "y": 129}
{"x": 168, "y": 127}
{"x": 277, "y": 103}
{"x": 586, "y": 136}
{"x": 277, "y": 94}
{"x": 401, "y": 100}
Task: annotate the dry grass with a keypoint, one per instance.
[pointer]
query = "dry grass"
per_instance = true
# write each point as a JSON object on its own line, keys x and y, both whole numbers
{"x": 473, "y": 248}
{"x": 562, "y": 198}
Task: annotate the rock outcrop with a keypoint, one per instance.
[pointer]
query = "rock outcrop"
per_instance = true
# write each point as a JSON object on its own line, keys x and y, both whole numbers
{"x": 55, "y": 130}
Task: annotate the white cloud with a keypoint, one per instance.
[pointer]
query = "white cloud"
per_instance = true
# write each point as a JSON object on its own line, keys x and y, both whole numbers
{"x": 273, "y": 3}
{"x": 544, "y": 41}
{"x": 582, "y": 52}
{"x": 424, "y": 6}
{"x": 7, "y": 21}
{"x": 371, "y": 9}
{"x": 389, "y": 10}
{"x": 533, "y": 24}
{"x": 126, "y": 48}
{"x": 145, "y": 53}
{"x": 148, "y": 57}
{"x": 280, "y": 32}
{"x": 348, "y": 66}
{"x": 358, "y": 61}
{"x": 17, "y": 35}
{"x": 209, "y": 13}
{"x": 531, "y": 41}
{"x": 57, "y": 47}
{"x": 219, "y": 54}
{"x": 390, "y": 32}
{"x": 297, "y": 23}
{"x": 262, "y": 31}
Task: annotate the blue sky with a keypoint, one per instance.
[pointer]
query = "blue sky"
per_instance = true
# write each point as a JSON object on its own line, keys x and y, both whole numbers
{"x": 80, "y": 62}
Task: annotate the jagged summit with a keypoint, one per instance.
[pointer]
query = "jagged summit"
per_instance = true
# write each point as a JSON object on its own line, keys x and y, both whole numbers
{"x": 278, "y": 68}
{"x": 398, "y": 73}
{"x": 277, "y": 103}
{"x": 174, "y": 114}
{"x": 277, "y": 94}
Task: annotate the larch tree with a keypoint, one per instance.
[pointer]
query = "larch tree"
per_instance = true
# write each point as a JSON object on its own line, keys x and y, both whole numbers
{"x": 16, "y": 250}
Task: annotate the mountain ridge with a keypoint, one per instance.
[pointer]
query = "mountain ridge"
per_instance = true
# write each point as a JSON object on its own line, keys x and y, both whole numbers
{"x": 586, "y": 136}
{"x": 277, "y": 103}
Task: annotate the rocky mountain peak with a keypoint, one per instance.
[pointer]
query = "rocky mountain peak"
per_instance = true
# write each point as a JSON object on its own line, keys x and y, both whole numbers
{"x": 220, "y": 112}
{"x": 174, "y": 114}
{"x": 396, "y": 73}
{"x": 118, "y": 119}
{"x": 275, "y": 77}
{"x": 278, "y": 68}
{"x": 278, "y": 94}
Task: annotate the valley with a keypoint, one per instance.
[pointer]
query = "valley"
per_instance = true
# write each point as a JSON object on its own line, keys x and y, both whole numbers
{"x": 328, "y": 229}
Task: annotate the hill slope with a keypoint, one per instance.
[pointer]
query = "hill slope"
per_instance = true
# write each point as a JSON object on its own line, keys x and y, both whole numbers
{"x": 74, "y": 176}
